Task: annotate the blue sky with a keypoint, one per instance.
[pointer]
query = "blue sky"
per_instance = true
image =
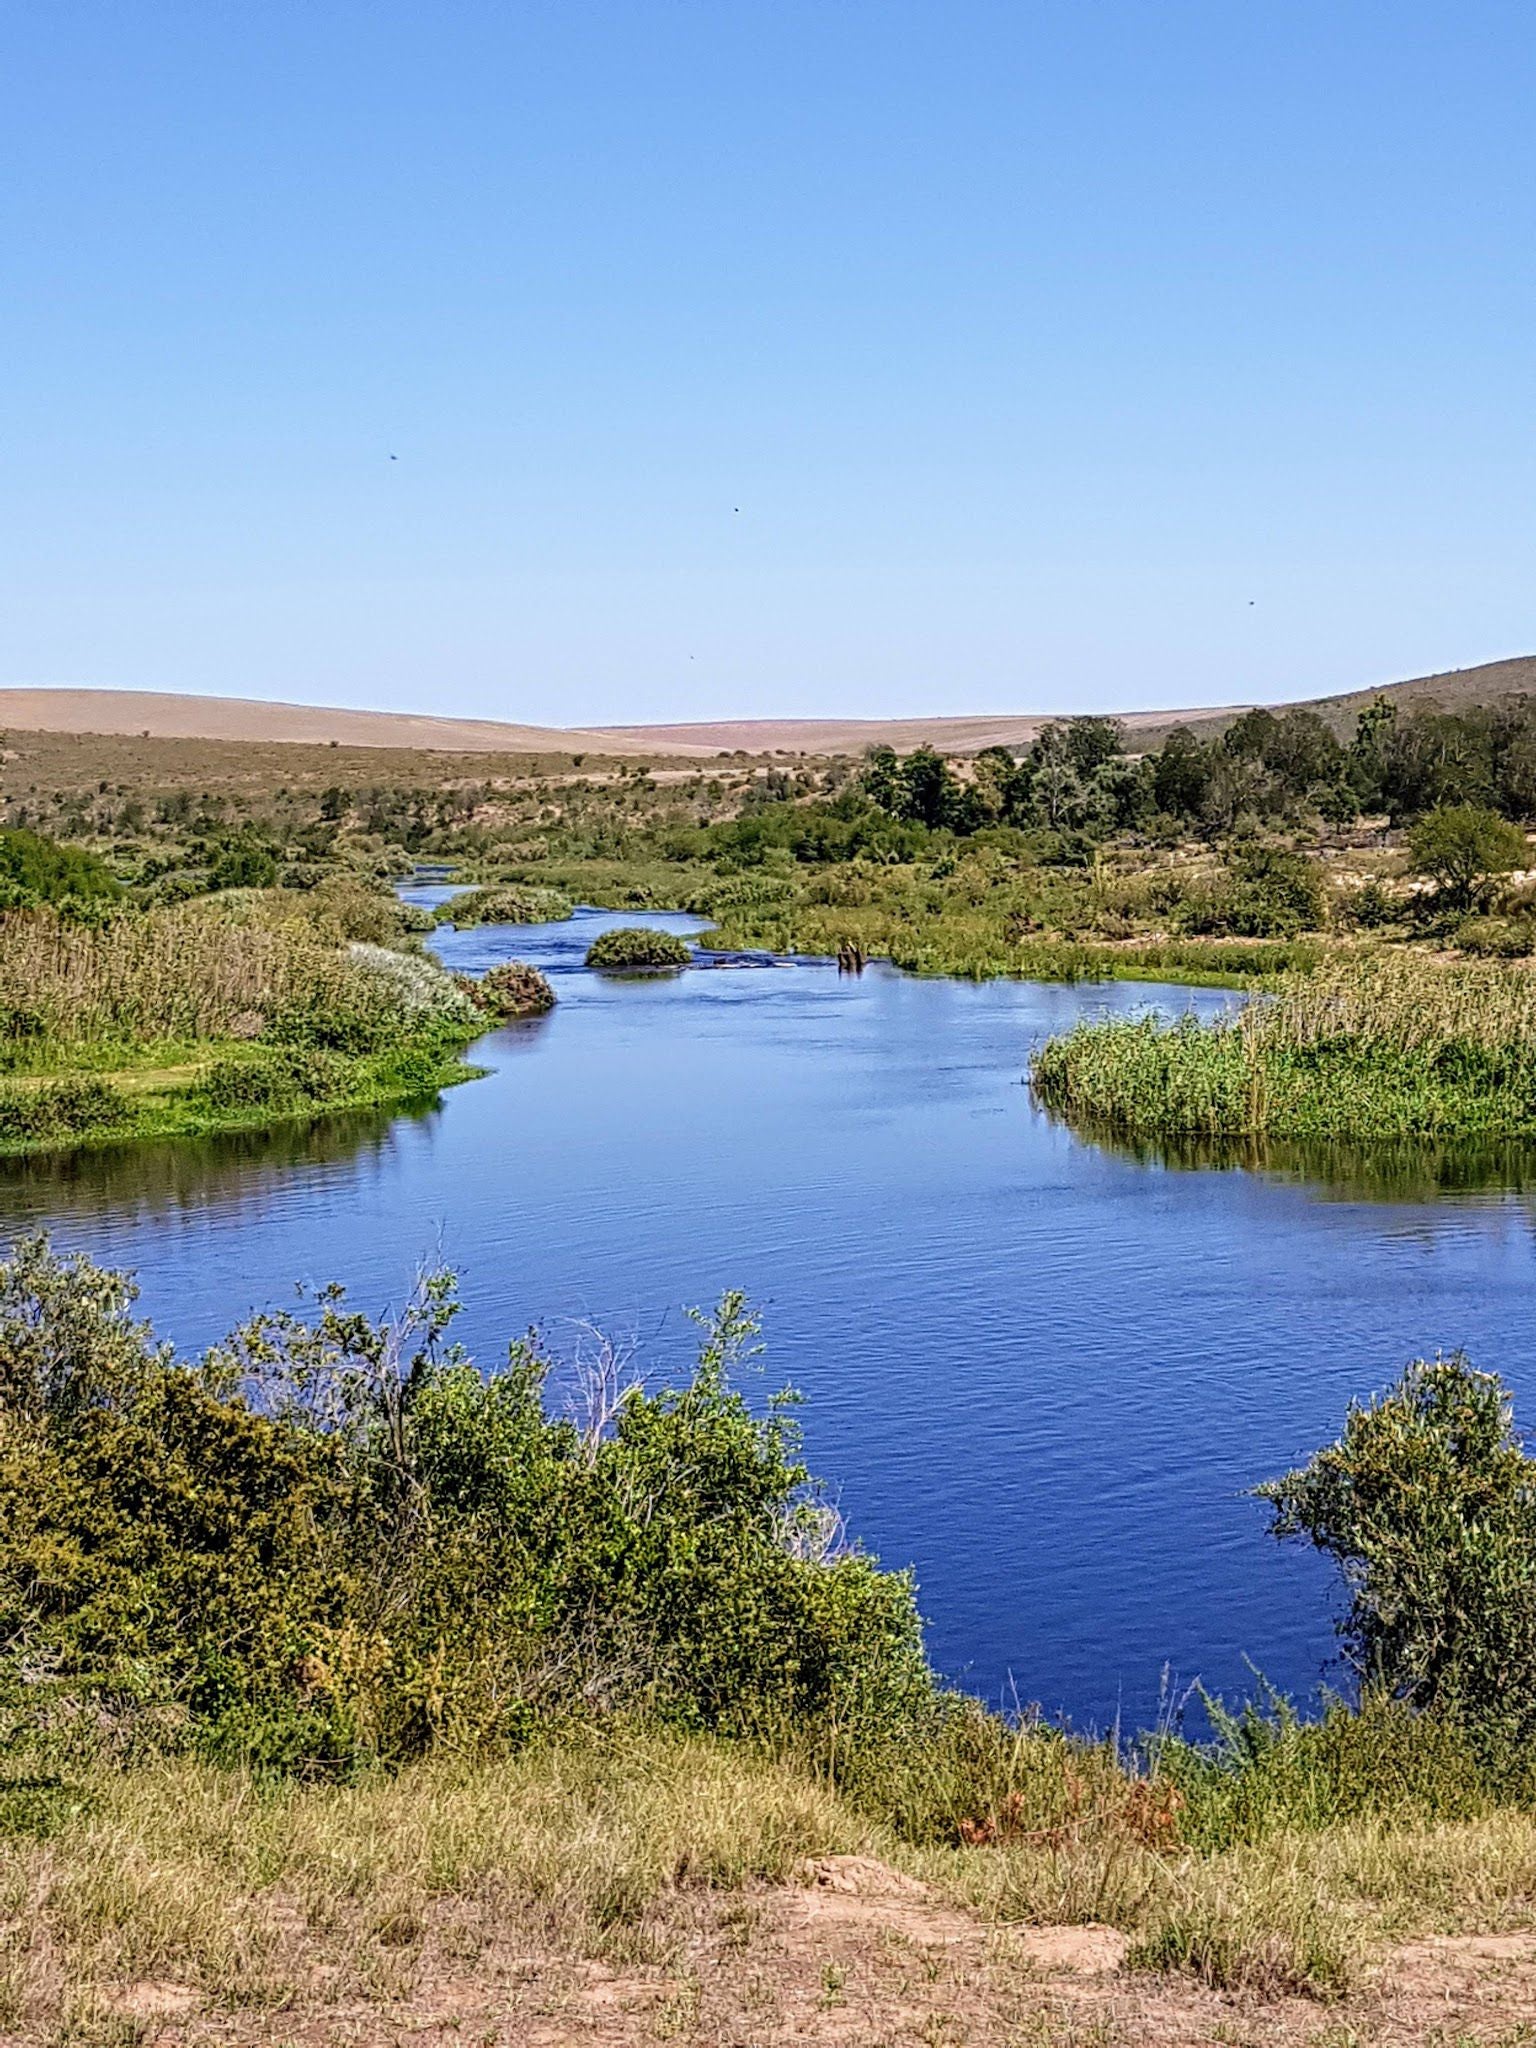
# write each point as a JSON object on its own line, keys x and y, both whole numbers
{"x": 1105, "y": 353}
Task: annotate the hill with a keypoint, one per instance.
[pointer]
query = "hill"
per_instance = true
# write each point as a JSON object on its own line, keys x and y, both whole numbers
{"x": 162, "y": 715}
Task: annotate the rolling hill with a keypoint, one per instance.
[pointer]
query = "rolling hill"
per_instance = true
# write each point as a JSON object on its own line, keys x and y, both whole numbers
{"x": 164, "y": 715}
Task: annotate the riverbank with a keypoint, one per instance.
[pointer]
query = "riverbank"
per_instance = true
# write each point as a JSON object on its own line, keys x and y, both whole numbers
{"x": 218, "y": 1087}
{"x": 229, "y": 1013}
{"x": 658, "y": 1889}
{"x": 1370, "y": 1045}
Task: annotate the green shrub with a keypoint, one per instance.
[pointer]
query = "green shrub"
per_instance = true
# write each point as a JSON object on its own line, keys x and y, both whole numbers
{"x": 276, "y": 1078}
{"x": 1266, "y": 893}
{"x": 506, "y": 903}
{"x": 1427, "y": 1504}
{"x": 36, "y": 870}
{"x": 60, "y": 1109}
{"x": 636, "y": 946}
{"x": 333, "y": 1538}
{"x": 1497, "y": 938}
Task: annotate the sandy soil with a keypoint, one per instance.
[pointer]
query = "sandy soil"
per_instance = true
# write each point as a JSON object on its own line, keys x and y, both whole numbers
{"x": 854, "y": 1956}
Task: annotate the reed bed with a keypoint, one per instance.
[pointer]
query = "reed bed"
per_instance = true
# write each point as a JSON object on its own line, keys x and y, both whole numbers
{"x": 182, "y": 974}
{"x": 1370, "y": 1045}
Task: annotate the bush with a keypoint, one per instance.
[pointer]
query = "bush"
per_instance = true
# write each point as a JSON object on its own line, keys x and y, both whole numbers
{"x": 509, "y": 903}
{"x": 634, "y": 946}
{"x": 333, "y": 1538}
{"x": 36, "y": 870}
{"x": 1266, "y": 893}
{"x": 1427, "y": 1504}
{"x": 1497, "y": 938}
{"x": 60, "y": 1109}
{"x": 512, "y": 990}
{"x": 273, "y": 1078}
{"x": 244, "y": 864}
{"x": 1369, "y": 907}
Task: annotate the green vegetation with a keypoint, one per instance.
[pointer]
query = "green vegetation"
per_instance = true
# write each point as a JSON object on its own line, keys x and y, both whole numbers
{"x": 632, "y": 947}
{"x": 35, "y": 871}
{"x": 1369, "y": 1045}
{"x": 1427, "y": 1503}
{"x": 1461, "y": 848}
{"x": 330, "y": 1586}
{"x": 511, "y": 990}
{"x": 226, "y": 1012}
{"x": 505, "y": 904}
{"x": 331, "y": 1540}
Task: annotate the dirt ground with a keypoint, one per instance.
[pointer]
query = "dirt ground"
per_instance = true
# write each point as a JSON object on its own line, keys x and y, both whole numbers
{"x": 854, "y": 1956}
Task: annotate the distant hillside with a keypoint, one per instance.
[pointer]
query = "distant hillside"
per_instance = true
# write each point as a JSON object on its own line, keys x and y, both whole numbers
{"x": 163, "y": 715}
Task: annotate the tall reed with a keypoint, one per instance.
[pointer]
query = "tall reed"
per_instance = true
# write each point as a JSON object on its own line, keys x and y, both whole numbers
{"x": 1370, "y": 1045}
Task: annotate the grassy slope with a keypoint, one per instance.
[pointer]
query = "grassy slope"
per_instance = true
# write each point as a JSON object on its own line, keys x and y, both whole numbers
{"x": 610, "y": 1886}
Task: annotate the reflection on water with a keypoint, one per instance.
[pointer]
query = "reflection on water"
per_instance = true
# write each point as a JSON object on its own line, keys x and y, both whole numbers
{"x": 1042, "y": 1370}
{"x": 1394, "y": 1170}
{"x": 168, "y": 1173}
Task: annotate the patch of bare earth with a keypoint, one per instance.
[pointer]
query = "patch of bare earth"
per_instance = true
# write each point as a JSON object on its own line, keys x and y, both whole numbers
{"x": 855, "y": 1955}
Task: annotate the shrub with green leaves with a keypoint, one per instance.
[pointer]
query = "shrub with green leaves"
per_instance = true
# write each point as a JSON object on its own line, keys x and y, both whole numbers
{"x": 506, "y": 903}
{"x": 36, "y": 870}
{"x": 331, "y": 1537}
{"x": 1427, "y": 1504}
{"x": 637, "y": 946}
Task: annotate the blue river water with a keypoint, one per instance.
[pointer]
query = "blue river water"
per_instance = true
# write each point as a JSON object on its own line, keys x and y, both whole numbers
{"x": 1040, "y": 1372}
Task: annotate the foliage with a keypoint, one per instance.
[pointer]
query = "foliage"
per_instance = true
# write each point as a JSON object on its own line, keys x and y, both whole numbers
{"x": 1427, "y": 1504}
{"x": 505, "y": 904}
{"x": 635, "y": 946}
{"x": 1462, "y": 847}
{"x": 1267, "y": 892}
{"x": 512, "y": 989}
{"x": 1369, "y": 1045}
{"x": 36, "y": 870}
{"x": 330, "y": 1537}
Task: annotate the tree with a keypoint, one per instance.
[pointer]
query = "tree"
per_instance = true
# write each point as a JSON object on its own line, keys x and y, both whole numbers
{"x": 1093, "y": 743}
{"x": 1427, "y": 1505}
{"x": 1461, "y": 847}
{"x": 927, "y": 788}
{"x": 1181, "y": 775}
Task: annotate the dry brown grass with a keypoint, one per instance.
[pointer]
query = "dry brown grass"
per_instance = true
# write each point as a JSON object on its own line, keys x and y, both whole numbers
{"x": 252, "y": 1910}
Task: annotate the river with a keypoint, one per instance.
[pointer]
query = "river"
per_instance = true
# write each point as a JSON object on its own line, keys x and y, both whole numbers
{"x": 1037, "y": 1370}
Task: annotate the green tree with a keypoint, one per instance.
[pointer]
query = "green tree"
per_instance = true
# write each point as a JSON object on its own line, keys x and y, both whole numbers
{"x": 1427, "y": 1504}
{"x": 1461, "y": 848}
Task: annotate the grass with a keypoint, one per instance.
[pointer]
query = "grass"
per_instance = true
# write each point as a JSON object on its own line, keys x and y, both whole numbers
{"x": 1371, "y": 1045}
{"x": 250, "y": 1891}
{"x": 224, "y": 1014}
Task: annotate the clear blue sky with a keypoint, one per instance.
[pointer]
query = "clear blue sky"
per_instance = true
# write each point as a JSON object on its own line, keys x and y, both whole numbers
{"x": 1082, "y": 354}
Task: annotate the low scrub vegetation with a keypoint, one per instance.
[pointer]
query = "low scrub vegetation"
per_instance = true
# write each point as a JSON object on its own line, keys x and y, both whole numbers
{"x": 506, "y": 903}
{"x": 330, "y": 1622}
{"x": 513, "y": 990}
{"x": 637, "y": 946}
{"x": 1367, "y": 1046}
{"x": 227, "y": 1010}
